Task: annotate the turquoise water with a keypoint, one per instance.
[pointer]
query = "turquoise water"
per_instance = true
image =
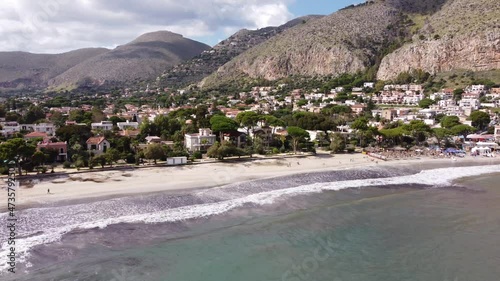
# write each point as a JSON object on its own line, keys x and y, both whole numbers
{"x": 381, "y": 233}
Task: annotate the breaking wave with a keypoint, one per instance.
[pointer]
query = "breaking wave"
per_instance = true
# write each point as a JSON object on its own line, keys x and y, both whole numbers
{"x": 47, "y": 225}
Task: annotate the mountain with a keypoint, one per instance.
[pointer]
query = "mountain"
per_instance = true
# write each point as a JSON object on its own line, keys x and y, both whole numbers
{"x": 144, "y": 58}
{"x": 463, "y": 34}
{"x": 22, "y": 69}
{"x": 381, "y": 37}
{"x": 197, "y": 68}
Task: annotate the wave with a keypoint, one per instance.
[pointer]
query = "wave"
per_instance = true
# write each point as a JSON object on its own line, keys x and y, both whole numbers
{"x": 433, "y": 178}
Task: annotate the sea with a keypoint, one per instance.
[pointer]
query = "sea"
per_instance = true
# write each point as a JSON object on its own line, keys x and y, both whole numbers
{"x": 409, "y": 222}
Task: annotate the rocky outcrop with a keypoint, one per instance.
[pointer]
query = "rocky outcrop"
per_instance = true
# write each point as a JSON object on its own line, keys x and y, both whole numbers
{"x": 434, "y": 35}
{"x": 346, "y": 41}
{"x": 199, "y": 67}
{"x": 476, "y": 54}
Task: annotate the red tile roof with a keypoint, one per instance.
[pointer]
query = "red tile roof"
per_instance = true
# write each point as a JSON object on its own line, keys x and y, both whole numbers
{"x": 95, "y": 140}
{"x": 36, "y": 135}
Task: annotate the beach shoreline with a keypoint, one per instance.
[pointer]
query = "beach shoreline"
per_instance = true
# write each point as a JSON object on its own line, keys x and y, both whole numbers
{"x": 101, "y": 185}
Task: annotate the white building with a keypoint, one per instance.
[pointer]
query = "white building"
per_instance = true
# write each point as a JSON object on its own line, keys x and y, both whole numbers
{"x": 10, "y": 128}
{"x": 127, "y": 125}
{"x": 469, "y": 103}
{"x": 497, "y": 133}
{"x": 201, "y": 141}
{"x": 47, "y": 128}
{"x": 476, "y": 88}
{"x": 98, "y": 145}
{"x": 369, "y": 85}
{"x": 103, "y": 125}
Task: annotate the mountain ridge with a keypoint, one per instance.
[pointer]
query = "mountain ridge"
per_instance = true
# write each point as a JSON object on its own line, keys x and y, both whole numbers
{"x": 383, "y": 38}
{"x": 141, "y": 59}
{"x": 194, "y": 70}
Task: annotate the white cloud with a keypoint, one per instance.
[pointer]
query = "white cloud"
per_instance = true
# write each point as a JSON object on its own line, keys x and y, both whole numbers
{"x": 63, "y": 25}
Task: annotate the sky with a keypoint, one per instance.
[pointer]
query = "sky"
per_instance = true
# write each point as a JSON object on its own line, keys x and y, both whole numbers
{"x": 55, "y": 26}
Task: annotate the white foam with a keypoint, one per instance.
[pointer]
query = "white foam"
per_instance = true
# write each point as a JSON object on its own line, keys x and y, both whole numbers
{"x": 436, "y": 177}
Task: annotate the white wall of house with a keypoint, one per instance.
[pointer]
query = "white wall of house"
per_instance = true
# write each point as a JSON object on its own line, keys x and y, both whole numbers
{"x": 99, "y": 148}
{"x": 103, "y": 125}
{"x": 204, "y": 139}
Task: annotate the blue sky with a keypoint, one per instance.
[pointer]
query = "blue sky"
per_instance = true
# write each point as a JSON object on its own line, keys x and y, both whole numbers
{"x": 319, "y": 7}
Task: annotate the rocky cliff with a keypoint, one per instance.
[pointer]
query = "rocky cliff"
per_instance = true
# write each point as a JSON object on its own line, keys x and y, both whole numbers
{"x": 463, "y": 34}
{"x": 386, "y": 36}
{"x": 346, "y": 41}
{"x": 476, "y": 54}
{"x": 199, "y": 67}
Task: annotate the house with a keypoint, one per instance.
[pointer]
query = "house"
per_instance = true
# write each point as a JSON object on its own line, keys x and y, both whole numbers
{"x": 369, "y": 85}
{"x": 358, "y": 108}
{"x": 61, "y": 147}
{"x": 389, "y": 114}
{"x": 237, "y": 138}
{"x": 470, "y": 103}
{"x": 200, "y": 141}
{"x": 476, "y": 88}
{"x": 10, "y": 128}
{"x": 129, "y": 133}
{"x": 103, "y": 126}
{"x": 35, "y": 135}
{"x": 127, "y": 125}
{"x": 153, "y": 139}
{"x": 265, "y": 133}
{"x": 98, "y": 145}
{"x": 47, "y": 128}
{"x": 497, "y": 133}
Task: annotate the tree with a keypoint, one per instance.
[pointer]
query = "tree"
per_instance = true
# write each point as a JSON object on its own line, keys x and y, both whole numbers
{"x": 360, "y": 124}
{"x": 213, "y": 151}
{"x": 38, "y": 158}
{"x": 33, "y": 114}
{"x": 74, "y": 134}
{"x": 480, "y": 119}
{"x": 457, "y": 94}
{"x": 426, "y": 103}
{"x": 116, "y": 119}
{"x": 441, "y": 134}
{"x": 226, "y": 149}
{"x": 298, "y": 135}
{"x": 17, "y": 150}
{"x": 97, "y": 115}
{"x": 99, "y": 160}
{"x": 418, "y": 129}
{"x": 247, "y": 119}
{"x": 154, "y": 151}
{"x": 112, "y": 155}
{"x": 449, "y": 122}
{"x": 57, "y": 118}
{"x": 462, "y": 130}
{"x": 221, "y": 124}
{"x": 338, "y": 143}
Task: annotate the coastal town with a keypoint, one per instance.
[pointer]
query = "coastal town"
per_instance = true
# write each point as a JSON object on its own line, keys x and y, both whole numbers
{"x": 266, "y": 120}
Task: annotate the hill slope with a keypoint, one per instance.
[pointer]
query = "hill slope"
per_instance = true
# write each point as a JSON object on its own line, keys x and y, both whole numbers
{"x": 197, "y": 68}
{"x": 376, "y": 33}
{"x": 22, "y": 69}
{"x": 463, "y": 34}
{"x": 345, "y": 41}
{"x": 144, "y": 58}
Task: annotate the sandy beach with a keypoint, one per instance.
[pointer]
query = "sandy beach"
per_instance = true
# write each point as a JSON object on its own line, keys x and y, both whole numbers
{"x": 100, "y": 184}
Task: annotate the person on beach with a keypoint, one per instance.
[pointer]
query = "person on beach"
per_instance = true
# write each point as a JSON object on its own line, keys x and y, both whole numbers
{"x": 48, "y": 191}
